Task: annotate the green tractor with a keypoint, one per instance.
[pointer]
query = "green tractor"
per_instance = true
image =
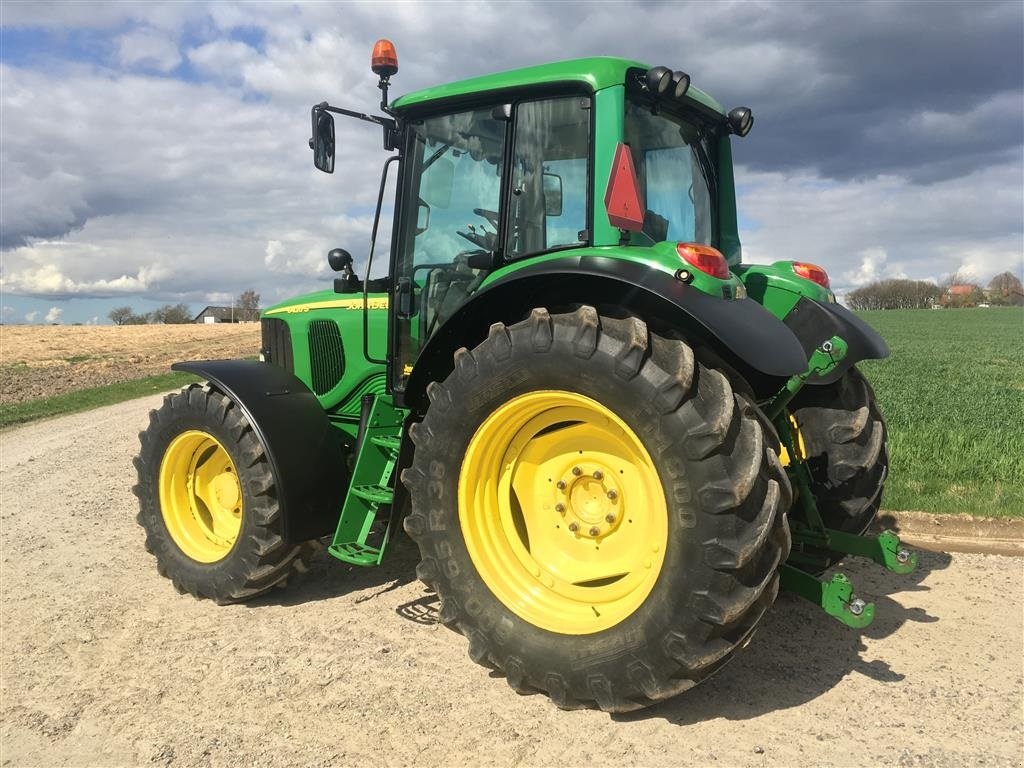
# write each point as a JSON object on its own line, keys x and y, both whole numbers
{"x": 611, "y": 440}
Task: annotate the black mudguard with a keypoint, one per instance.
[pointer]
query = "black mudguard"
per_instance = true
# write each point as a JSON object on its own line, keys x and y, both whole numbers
{"x": 304, "y": 450}
{"x": 813, "y": 322}
{"x": 744, "y": 331}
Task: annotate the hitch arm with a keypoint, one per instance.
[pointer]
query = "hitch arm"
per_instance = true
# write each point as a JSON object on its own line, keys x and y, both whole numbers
{"x": 835, "y": 597}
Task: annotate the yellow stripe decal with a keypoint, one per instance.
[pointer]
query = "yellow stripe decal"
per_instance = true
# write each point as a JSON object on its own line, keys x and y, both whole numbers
{"x": 333, "y": 304}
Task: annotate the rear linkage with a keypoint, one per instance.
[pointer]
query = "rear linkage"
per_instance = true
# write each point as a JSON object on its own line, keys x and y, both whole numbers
{"x": 836, "y": 597}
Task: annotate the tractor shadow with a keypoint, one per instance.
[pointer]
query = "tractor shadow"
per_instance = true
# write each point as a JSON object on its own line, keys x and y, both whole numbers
{"x": 329, "y": 578}
{"x": 800, "y": 653}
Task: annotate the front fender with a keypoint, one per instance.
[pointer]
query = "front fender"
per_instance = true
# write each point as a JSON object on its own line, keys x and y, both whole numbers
{"x": 745, "y": 333}
{"x": 303, "y": 449}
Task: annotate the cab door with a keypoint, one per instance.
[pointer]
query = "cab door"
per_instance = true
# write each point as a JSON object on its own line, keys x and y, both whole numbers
{"x": 447, "y": 237}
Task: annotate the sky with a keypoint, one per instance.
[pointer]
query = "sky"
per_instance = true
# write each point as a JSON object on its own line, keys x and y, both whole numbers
{"x": 156, "y": 153}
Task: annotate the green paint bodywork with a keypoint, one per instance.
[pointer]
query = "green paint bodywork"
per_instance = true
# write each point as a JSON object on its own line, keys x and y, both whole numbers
{"x": 778, "y": 288}
{"x": 660, "y": 256}
{"x": 360, "y": 377}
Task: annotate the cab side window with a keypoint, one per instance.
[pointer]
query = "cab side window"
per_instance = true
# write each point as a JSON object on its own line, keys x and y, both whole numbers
{"x": 548, "y": 201}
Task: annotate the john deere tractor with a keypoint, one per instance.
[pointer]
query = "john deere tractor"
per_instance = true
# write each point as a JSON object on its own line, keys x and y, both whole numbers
{"x": 612, "y": 441}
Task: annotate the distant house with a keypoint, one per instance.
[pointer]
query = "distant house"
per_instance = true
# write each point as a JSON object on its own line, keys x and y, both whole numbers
{"x": 960, "y": 296}
{"x": 219, "y": 315}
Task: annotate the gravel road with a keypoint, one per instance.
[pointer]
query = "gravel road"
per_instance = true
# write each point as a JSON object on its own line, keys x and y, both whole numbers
{"x": 103, "y": 663}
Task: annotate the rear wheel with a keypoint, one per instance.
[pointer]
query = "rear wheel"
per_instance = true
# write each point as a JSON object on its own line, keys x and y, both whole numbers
{"x": 601, "y": 515}
{"x": 207, "y": 500}
{"x": 844, "y": 441}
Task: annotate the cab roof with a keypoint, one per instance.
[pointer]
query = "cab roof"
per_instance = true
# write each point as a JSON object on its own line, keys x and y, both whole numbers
{"x": 597, "y": 72}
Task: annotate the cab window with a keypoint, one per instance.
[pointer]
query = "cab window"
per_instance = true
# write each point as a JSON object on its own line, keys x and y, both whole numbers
{"x": 548, "y": 200}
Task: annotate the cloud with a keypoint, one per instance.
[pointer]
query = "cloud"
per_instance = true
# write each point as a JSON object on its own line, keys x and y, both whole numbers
{"x": 53, "y": 315}
{"x": 885, "y": 226}
{"x": 48, "y": 281}
{"x": 30, "y": 317}
{"x": 887, "y": 141}
{"x": 148, "y": 49}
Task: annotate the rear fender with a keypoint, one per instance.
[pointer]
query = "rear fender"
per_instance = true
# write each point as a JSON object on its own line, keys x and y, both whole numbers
{"x": 743, "y": 333}
{"x": 814, "y": 322}
{"x": 810, "y": 311}
{"x": 304, "y": 451}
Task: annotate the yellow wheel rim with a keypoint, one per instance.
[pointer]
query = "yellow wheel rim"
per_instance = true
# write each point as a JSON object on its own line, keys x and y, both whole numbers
{"x": 798, "y": 443}
{"x": 200, "y": 496}
{"x": 563, "y": 512}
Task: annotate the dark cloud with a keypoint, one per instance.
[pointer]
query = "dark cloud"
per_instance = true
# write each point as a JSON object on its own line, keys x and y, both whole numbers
{"x": 857, "y": 79}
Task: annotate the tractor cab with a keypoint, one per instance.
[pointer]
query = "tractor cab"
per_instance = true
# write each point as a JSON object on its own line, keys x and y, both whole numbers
{"x": 599, "y": 158}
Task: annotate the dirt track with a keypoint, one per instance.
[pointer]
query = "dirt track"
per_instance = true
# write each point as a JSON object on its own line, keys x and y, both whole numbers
{"x": 103, "y": 663}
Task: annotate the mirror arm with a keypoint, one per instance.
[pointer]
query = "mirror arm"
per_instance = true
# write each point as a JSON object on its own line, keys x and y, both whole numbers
{"x": 386, "y": 122}
{"x": 390, "y": 125}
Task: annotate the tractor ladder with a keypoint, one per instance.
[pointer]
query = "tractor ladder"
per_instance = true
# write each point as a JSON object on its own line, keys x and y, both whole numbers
{"x": 371, "y": 493}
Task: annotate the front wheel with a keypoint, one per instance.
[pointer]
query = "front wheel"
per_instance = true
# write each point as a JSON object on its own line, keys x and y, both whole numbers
{"x": 207, "y": 500}
{"x": 602, "y": 516}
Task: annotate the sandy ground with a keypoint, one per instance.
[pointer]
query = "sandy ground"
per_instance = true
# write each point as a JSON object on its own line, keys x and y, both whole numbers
{"x": 43, "y": 360}
{"x": 103, "y": 663}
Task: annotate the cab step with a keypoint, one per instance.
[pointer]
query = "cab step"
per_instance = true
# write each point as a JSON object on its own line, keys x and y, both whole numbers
{"x": 371, "y": 491}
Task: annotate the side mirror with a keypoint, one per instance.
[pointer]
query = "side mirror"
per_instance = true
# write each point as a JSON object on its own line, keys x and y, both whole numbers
{"x": 422, "y": 218}
{"x": 323, "y": 141}
{"x": 552, "y": 194}
{"x": 339, "y": 259}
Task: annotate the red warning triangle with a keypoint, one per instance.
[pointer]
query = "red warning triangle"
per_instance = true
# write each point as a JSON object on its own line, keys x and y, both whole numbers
{"x": 622, "y": 199}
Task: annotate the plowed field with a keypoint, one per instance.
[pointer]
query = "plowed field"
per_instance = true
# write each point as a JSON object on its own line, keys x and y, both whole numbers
{"x": 42, "y": 361}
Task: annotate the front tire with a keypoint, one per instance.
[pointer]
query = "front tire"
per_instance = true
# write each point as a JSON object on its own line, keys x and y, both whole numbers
{"x": 673, "y": 487}
{"x": 207, "y": 500}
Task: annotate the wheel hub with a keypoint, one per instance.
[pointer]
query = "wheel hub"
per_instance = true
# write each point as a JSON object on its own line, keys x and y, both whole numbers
{"x": 588, "y": 499}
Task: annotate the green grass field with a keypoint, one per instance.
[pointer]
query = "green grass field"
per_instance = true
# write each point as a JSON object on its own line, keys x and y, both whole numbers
{"x": 953, "y": 393}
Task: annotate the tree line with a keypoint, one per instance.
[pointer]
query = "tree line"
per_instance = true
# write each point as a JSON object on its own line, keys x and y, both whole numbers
{"x": 246, "y": 307}
{"x": 956, "y": 292}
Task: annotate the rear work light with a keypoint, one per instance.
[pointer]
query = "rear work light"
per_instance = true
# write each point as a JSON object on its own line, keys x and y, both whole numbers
{"x": 708, "y": 260}
{"x": 811, "y": 272}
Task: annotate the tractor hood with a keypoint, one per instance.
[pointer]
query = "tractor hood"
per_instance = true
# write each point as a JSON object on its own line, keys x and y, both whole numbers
{"x": 309, "y": 302}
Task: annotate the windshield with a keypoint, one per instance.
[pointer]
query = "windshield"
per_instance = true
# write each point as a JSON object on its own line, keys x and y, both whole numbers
{"x": 675, "y": 165}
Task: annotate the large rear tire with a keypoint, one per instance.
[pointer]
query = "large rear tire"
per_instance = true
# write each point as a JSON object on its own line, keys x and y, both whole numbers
{"x": 845, "y": 444}
{"x": 601, "y": 515}
{"x": 207, "y": 500}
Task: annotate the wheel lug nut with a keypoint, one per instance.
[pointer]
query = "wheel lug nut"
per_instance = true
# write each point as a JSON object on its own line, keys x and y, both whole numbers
{"x": 598, "y": 474}
{"x": 559, "y": 507}
{"x": 560, "y": 485}
{"x": 574, "y": 527}
{"x": 610, "y": 517}
{"x": 577, "y": 471}
{"x": 612, "y": 494}
{"x": 594, "y": 531}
